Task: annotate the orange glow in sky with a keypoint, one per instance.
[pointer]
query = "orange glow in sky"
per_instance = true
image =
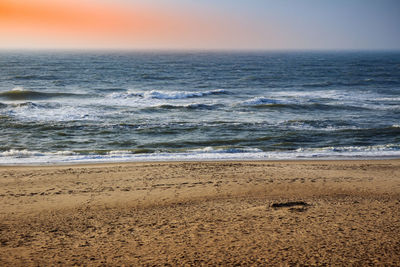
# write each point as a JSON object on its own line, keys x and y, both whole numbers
{"x": 98, "y": 24}
{"x": 204, "y": 24}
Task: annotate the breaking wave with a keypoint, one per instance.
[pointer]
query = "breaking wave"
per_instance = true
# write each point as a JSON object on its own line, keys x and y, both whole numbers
{"x": 261, "y": 101}
{"x": 192, "y": 106}
{"x": 154, "y": 94}
{"x": 207, "y": 153}
{"x": 22, "y": 94}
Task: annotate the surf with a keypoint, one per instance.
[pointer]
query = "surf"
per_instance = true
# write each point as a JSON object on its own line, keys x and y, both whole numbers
{"x": 23, "y": 94}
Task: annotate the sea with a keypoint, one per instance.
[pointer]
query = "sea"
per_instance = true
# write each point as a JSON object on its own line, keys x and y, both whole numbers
{"x": 62, "y": 107}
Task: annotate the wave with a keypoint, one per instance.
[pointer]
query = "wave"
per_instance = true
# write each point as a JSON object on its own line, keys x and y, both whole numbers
{"x": 103, "y": 90}
{"x": 344, "y": 96}
{"x": 355, "y": 150}
{"x": 388, "y": 99}
{"x": 30, "y": 111}
{"x": 226, "y": 150}
{"x": 321, "y": 94}
{"x": 14, "y": 156}
{"x": 30, "y": 104}
{"x": 344, "y": 130}
{"x": 22, "y": 94}
{"x": 28, "y": 154}
{"x": 153, "y": 94}
{"x": 261, "y": 101}
{"x": 346, "y": 152}
{"x": 266, "y": 103}
{"x": 206, "y": 153}
{"x": 317, "y": 84}
{"x": 192, "y": 106}
{"x": 318, "y": 125}
{"x": 376, "y": 133}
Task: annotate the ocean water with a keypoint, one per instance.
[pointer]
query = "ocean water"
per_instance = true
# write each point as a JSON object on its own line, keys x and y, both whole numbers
{"x": 71, "y": 107}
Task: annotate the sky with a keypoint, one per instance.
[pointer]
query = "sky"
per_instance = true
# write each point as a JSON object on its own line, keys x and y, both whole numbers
{"x": 205, "y": 24}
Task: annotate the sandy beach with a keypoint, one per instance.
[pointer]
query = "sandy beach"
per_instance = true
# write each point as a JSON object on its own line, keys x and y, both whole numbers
{"x": 201, "y": 213}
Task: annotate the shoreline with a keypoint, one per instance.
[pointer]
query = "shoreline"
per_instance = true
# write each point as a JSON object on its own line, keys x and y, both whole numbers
{"x": 312, "y": 212}
{"x": 89, "y": 163}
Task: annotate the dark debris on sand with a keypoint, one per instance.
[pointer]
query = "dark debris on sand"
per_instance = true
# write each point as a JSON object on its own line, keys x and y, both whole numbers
{"x": 298, "y": 206}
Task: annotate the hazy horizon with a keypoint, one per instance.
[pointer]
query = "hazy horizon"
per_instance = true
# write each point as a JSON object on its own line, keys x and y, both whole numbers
{"x": 194, "y": 50}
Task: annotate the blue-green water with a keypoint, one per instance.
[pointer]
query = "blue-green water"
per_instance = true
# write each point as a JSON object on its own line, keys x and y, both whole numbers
{"x": 82, "y": 107}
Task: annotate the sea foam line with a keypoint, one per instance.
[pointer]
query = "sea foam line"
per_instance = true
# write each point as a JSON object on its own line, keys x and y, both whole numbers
{"x": 202, "y": 154}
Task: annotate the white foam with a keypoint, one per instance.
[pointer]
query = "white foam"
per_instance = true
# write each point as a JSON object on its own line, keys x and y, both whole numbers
{"x": 49, "y": 112}
{"x": 226, "y": 150}
{"x": 203, "y": 154}
{"x": 155, "y": 99}
{"x": 302, "y": 97}
{"x": 306, "y": 126}
{"x": 382, "y": 106}
{"x": 353, "y": 149}
{"x": 22, "y": 154}
{"x": 363, "y": 99}
{"x": 18, "y": 89}
{"x": 388, "y": 99}
{"x": 154, "y": 94}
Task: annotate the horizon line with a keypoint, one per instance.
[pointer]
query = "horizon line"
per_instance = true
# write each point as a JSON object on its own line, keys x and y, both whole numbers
{"x": 197, "y": 50}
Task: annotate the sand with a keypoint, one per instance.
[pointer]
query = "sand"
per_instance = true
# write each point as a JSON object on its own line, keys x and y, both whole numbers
{"x": 201, "y": 213}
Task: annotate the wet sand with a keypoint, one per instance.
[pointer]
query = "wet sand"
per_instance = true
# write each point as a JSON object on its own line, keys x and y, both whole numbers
{"x": 201, "y": 213}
